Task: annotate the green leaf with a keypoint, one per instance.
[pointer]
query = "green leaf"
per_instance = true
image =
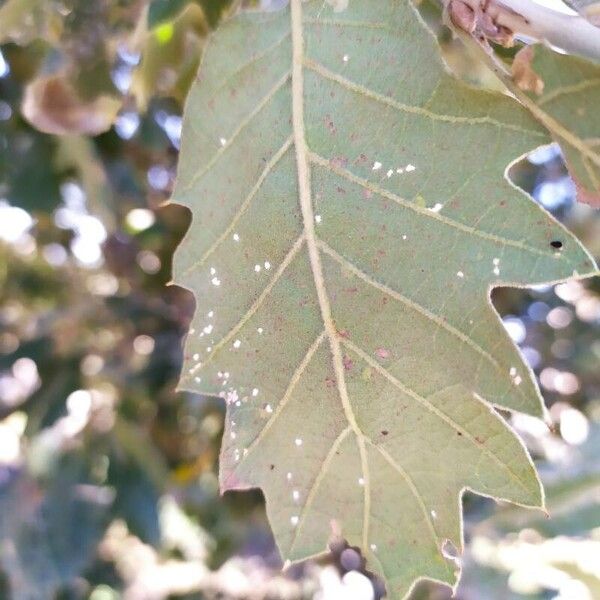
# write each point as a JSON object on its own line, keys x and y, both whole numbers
{"x": 171, "y": 53}
{"x": 24, "y": 20}
{"x": 161, "y": 11}
{"x": 49, "y": 536}
{"x": 571, "y": 96}
{"x": 349, "y": 221}
{"x": 167, "y": 10}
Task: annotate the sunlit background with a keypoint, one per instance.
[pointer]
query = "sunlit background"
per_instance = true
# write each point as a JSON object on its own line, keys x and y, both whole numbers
{"x": 108, "y": 485}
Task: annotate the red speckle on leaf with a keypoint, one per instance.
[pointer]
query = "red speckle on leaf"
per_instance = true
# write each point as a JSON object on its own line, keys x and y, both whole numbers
{"x": 330, "y": 125}
{"x": 339, "y": 161}
{"x": 382, "y": 353}
{"x": 348, "y": 363}
{"x": 329, "y": 382}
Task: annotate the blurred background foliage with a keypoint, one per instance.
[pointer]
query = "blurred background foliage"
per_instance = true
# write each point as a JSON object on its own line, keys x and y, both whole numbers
{"x": 108, "y": 475}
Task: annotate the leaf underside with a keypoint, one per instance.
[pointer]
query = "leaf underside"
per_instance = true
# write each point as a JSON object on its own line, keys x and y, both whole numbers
{"x": 349, "y": 221}
{"x": 571, "y": 96}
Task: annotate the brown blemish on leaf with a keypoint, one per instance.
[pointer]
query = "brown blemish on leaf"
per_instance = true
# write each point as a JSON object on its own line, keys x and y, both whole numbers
{"x": 480, "y": 23}
{"x": 523, "y": 74}
{"x": 462, "y": 15}
{"x": 340, "y": 162}
{"x": 330, "y": 125}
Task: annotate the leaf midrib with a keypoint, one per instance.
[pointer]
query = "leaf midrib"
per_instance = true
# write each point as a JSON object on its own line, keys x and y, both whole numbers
{"x": 305, "y": 195}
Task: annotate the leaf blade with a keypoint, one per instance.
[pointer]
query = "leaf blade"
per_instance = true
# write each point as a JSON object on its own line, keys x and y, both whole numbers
{"x": 317, "y": 319}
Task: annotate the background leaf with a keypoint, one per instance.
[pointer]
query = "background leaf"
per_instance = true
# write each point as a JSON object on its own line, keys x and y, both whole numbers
{"x": 571, "y": 90}
{"x": 50, "y": 539}
{"x": 24, "y": 20}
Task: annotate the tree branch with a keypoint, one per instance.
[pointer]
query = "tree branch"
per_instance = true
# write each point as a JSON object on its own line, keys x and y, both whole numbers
{"x": 571, "y": 33}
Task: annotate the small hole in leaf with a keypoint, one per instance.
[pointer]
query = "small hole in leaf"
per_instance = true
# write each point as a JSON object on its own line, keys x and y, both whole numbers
{"x": 556, "y": 244}
{"x": 449, "y": 550}
{"x": 351, "y": 560}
